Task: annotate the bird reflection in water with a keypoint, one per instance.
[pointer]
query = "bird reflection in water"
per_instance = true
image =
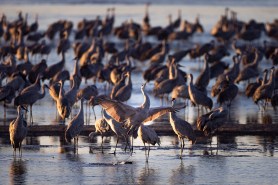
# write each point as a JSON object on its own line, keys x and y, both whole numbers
{"x": 18, "y": 171}
{"x": 148, "y": 175}
{"x": 268, "y": 143}
{"x": 182, "y": 174}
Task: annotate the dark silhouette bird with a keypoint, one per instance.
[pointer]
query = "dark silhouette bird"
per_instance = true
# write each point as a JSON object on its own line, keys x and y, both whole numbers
{"x": 228, "y": 92}
{"x": 36, "y": 70}
{"x": 18, "y": 130}
{"x": 182, "y": 129}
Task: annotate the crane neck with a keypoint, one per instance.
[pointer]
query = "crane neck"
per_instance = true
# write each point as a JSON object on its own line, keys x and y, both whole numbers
{"x": 146, "y": 103}
{"x": 265, "y": 77}
{"x": 76, "y": 68}
{"x": 271, "y": 78}
{"x": 61, "y": 90}
{"x": 43, "y": 92}
{"x": 81, "y": 108}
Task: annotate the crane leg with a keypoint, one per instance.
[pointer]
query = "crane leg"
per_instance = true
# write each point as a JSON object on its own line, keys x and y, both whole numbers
{"x": 102, "y": 143}
{"x": 149, "y": 152}
{"x": 20, "y": 150}
{"x": 127, "y": 143}
{"x": 145, "y": 152}
{"x": 131, "y": 151}
{"x": 116, "y": 145}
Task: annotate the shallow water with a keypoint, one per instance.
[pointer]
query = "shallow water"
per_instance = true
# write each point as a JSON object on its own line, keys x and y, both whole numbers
{"x": 240, "y": 160}
{"x": 48, "y": 160}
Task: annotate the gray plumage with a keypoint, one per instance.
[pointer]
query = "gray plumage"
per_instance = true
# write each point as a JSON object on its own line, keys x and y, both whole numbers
{"x": 197, "y": 97}
{"x": 202, "y": 80}
{"x": 132, "y": 117}
{"x": 182, "y": 129}
{"x": 117, "y": 128}
{"x": 249, "y": 71}
{"x": 29, "y": 98}
{"x": 210, "y": 122}
{"x": 117, "y": 86}
{"x": 62, "y": 103}
{"x": 18, "y": 130}
{"x": 167, "y": 85}
{"x": 232, "y": 74}
{"x": 228, "y": 92}
{"x": 75, "y": 126}
{"x": 149, "y": 136}
{"x": 265, "y": 91}
{"x": 124, "y": 93}
{"x": 102, "y": 127}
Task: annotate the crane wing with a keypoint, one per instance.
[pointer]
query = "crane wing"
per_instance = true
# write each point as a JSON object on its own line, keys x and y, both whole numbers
{"x": 117, "y": 110}
{"x": 156, "y": 112}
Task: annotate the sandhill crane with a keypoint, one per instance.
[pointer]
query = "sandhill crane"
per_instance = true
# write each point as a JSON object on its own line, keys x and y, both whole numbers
{"x": 18, "y": 130}
{"x": 182, "y": 129}
{"x": 29, "y": 98}
{"x": 210, "y": 122}
{"x": 166, "y": 86}
{"x": 87, "y": 93}
{"x": 36, "y": 70}
{"x": 64, "y": 43}
{"x": 232, "y": 73}
{"x": 250, "y": 70}
{"x": 146, "y": 20}
{"x": 52, "y": 70}
{"x": 33, "y": 87}
{"x": 149, "y": 136}
{"x": 102, "y": 127}
{"x": 61, "y": 75}
{"x": 181, "y": 92}
{"x": 71, "y": 94}
{"x": 202, "y": 80}
{"x": 265, "y": 91}
{"x": 7, "y": 93}
{"x": 218, "y": 68}
{"x": 76, "y": 74}
{"x": 160, "y": 57}
{"x": 132, "y": 117}
{"x": 228, "y": 91}
{"x": 120, "y": 83}
{"x": 251, "y": 87}
{"x": 198, "y": 97}
{"x": 124, "y": 93}
{"x": 62, "y": 103}
{"x": 117, "y": 128}
{"x": 75, "y": 126}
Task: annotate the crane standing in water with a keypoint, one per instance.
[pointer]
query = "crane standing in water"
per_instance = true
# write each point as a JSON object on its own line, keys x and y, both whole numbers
{"x": 18, "y": 130}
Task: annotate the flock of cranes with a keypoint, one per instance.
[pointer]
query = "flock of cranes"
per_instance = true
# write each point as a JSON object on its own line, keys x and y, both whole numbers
{"x": 104, "y": 61}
